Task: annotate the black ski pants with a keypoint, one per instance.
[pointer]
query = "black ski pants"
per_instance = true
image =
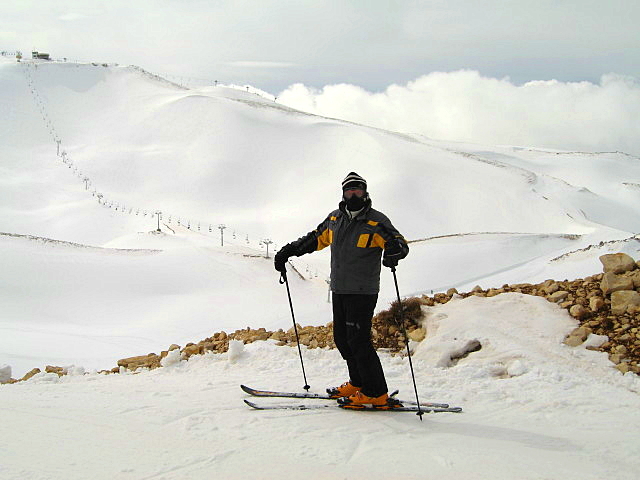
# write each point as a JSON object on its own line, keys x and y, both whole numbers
{"x": 352, "y": 335}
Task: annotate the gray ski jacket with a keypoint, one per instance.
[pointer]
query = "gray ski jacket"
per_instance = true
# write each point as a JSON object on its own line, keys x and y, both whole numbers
{"x": 356, "y": 248}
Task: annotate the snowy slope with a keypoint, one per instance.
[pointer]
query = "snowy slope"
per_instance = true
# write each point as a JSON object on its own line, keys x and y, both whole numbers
{"x": 84, "y": 281}
{"x": 71, "y": 304}
{"x": 218, "y": 155}
{"x": 533, "y": 409}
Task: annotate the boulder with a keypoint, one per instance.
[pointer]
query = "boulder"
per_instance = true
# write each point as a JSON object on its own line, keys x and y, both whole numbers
{"x": 615, "y": 358}
{"x": 596, "y": 303}
{"x": 191, "y": 350}
{"x": 418, "y": 334}
{"x": 278, "y": 336}
{"x": 614, "y": 283}
{"x": 578, "y": 311}
{"x": 30, "y": 374}
{"x": 60, "y": 371}
{"x": 558, "y": 296}
{"x": 620, "y": 349}
{"x": 151, "y": 360}
{"x": 624, "y": 300}
{"x": 617, "y": 263}
{"x": 577, "y": 336}
{"x": 623, "y": 367}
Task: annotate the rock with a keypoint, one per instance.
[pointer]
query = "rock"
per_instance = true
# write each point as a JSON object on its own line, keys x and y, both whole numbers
{"x": 577, "y": 336}
{"x": 623, "y": 300}
{"x": 149, "y": 361}
{"x": 174, "y": 347}
{"x": 552, "y": 288}
{"x": 623, "y": 367}
{"x": 277, "y": 336}
{"x": 558, "y": 296}
{"x": 429, "y": 302}
{"x": 615, "y": 358}
{"x": 614, "y": 283}
{"x": 617, "y": 263}
{"x": 291, "y": 331}
{"x": 582, "y": 301}
{"x": 578, "y": 311}
{"x": 620, "y": 349}
{"x": 452, "y": 291}
{"x": 476, "y": 289}
{"x": 30, "y": 374}
{"x": 635, "y": 278}
{"x": 57, "y": 370}
{"x": 191, "y": 350}
{"x": 418, "y": 334}
{"x": 596, "y": 303}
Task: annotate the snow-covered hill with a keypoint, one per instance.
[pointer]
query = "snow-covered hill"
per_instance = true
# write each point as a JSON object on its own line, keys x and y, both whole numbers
{"x": 84, "y": 280}
{"x": 135, "y": 144}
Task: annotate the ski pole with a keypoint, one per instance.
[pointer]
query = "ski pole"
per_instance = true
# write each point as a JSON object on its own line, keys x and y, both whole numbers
{"x": 406, "y": 339}
{"x": 283, "y": 279}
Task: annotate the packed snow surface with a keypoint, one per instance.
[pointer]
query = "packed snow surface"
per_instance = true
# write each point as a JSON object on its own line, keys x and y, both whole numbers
{"x": 90, "y": 153}
{"x": 533, "y": 408}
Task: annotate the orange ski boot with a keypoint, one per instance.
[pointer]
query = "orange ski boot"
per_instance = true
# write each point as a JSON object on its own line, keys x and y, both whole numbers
{"x": 344, "y": 390}
{"x": 360, "y": 401}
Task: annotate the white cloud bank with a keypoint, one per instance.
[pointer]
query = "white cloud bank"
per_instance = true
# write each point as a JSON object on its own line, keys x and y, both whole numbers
{"x": 465, "y": 106}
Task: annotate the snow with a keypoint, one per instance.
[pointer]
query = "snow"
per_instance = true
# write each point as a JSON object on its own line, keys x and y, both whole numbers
{"x": 82, "y": 285}
{"x": 569, "y": 415}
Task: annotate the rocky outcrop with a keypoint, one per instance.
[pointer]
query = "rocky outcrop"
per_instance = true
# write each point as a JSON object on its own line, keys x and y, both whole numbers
{"x": 617, "y": 263}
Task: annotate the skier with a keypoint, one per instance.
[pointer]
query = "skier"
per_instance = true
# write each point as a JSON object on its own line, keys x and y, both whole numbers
{"x": 358, "y": 235}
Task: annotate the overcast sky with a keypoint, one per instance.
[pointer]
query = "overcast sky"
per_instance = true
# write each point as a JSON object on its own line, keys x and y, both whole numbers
{"x": 273, "y": 44}
{"x": 549, "y": 73}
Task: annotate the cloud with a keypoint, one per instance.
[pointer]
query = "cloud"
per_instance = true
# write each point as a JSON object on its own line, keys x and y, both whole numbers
{"x": 465, "y": 106}
{"x": 70, "y": 17}
{"x": 257, "y": 64}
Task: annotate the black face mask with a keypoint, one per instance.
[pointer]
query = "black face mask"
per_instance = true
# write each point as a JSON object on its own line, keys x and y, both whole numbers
{"x": 355, "y": 203}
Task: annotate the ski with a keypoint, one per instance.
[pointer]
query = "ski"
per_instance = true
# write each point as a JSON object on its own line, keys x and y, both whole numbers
{"x": 360, "y": 408}
{"x": 320, "y": 396}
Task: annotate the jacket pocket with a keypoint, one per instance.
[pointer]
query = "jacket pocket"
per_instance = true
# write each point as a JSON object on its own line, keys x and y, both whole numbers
{"x": 363, "y": 240}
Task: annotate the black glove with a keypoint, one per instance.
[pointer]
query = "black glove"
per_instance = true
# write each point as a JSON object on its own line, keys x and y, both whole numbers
{"x": 282, "y": 256}
{"x": 393, "y": 253}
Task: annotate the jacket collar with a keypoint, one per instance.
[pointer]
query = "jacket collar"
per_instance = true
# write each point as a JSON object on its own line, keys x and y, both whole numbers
{"x": 363, "y": 213}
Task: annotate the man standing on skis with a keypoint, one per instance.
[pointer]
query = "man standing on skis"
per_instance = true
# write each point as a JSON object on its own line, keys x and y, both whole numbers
{"x": 358, "y": 236}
